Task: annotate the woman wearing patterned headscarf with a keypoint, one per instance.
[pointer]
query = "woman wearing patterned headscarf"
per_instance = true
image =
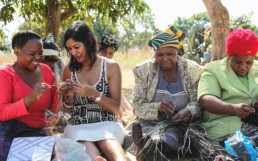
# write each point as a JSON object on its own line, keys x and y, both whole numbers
{"x": 164, "y": 98}
{"x": 108, "y": 45}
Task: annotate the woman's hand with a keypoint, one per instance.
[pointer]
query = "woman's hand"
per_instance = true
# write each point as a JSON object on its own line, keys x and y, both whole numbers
{"x": 242, "y": 110}
{"x": 37, "y": 92}
{"x": 52, "y": 120}
{"x": 85, "y": 90}
{"x": 255, "y": 104}
{"x": 183, "y": 115}
{"x": 64, "y": 87}
{"x": 166, "y": 107}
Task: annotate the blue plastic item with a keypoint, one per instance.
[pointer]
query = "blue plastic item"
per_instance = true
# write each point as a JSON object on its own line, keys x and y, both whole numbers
{"x": 241, "y": 146}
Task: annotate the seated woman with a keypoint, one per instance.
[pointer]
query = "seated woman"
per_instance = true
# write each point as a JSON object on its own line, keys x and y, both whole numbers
{"x": 108, "y": 45}
{"x": 52, "y": 58}
{"x": 164, "y": 98}
{"x": 92, "y": 91}
{"x": 228, "y": 88}
{"x": 51, "y": 52}
{"x": 26, "y": 92}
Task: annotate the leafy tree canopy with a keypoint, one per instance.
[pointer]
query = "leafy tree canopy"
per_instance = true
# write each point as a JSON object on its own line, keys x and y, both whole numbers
{"x": 54, "y": 13}
{"x": 243, "y": 21}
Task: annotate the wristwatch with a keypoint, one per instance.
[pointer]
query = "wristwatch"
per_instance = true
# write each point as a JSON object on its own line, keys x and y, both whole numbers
{"x": 97, "y": 99}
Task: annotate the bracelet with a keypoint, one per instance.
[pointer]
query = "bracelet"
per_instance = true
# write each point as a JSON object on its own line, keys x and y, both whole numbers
{"x": 97, "y": 99}
{"x": 68, "y": 106}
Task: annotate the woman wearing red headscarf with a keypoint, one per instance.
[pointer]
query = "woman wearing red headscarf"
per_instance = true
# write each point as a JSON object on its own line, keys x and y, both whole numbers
{"x": 228, "y": 88}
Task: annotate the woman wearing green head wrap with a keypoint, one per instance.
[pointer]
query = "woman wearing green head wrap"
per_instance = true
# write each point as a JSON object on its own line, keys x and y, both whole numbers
{"x": 164, "y": 98}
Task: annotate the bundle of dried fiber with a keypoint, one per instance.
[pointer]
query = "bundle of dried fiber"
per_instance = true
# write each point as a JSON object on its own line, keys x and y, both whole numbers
{"x": 208, "y": 149}
{"x": 149, "y": 146}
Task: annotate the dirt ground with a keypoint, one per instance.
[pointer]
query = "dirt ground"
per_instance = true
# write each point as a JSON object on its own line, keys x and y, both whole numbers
{"x": 127, "y": 82}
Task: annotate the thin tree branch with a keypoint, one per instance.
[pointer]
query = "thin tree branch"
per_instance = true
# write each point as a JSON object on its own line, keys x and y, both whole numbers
{"x": 70, "y": 11}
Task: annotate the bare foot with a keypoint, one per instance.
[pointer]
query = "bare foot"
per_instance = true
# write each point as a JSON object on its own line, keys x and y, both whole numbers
{"x": 99, "y": 158}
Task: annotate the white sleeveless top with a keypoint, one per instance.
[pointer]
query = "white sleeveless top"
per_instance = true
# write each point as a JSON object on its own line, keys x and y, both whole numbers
{"x": 87, "y": 110}
{"x": 89, "y": 121}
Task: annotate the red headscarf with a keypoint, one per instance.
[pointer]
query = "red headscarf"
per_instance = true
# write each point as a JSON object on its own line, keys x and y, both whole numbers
{"x": 242, "y": 42}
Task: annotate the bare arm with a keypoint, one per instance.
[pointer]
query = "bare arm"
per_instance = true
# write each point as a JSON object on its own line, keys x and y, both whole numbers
{"x": 217, "y": 106}
{"x": 63, "y": 89}
{"x": 125, "y": 104}
{"x": 112, "y": 103}
{"x": 66, "y": 73}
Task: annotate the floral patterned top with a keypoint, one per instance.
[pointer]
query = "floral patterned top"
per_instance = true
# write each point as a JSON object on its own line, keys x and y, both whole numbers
{"x": 146, "y": 79}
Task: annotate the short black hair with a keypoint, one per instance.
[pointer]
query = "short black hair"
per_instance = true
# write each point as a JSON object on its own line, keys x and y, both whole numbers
{"x": 22, "y": 37}
{"x": 81, "y": 32}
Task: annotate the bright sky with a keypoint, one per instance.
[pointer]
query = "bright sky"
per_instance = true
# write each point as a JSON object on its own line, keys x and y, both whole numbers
{"x": 167, "y": 11}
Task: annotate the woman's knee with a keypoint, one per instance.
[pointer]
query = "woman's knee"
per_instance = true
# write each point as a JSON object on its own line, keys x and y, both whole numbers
{"x": 91, "y": 149}
{"x": 112, "y": 150}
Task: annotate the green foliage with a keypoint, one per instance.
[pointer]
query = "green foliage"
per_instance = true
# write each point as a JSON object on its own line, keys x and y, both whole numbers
{"x": 3, "y": 41}
{"x": 7, "y": 10}
{"x": 2, "y": 34}
{"x": 137, "y": 31}
{"x": 39, "y": 29}
{"x": 30, "y": 25}
{"x": 203, "y": 16}
{"x": 37, "y": 10}
{"x": 102, "y": 27}
{"x": 195, "y": 43}
{"x": 243, "y": 21}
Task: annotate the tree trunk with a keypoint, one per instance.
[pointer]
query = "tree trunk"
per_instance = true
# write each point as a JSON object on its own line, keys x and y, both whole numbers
{"x": 219, "y": 18}
{"x": 54, "y": 17}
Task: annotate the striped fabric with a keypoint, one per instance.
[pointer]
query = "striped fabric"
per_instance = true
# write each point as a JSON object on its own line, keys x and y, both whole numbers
{"x": 170, "y": 37}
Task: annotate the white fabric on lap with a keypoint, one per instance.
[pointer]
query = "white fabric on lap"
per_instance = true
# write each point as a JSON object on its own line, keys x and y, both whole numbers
{"x": 95, "y": 131}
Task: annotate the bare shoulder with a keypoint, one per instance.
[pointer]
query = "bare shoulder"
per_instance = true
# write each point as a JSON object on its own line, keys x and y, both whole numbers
{"x": 66, "y": 72}
{"x": 113, "y": 68}
{"x": 66, "y": 68}
{"x": 112, "y": 64}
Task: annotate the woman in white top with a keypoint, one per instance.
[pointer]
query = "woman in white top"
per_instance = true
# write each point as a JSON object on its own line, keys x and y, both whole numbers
{"x": 92, "y": 92}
